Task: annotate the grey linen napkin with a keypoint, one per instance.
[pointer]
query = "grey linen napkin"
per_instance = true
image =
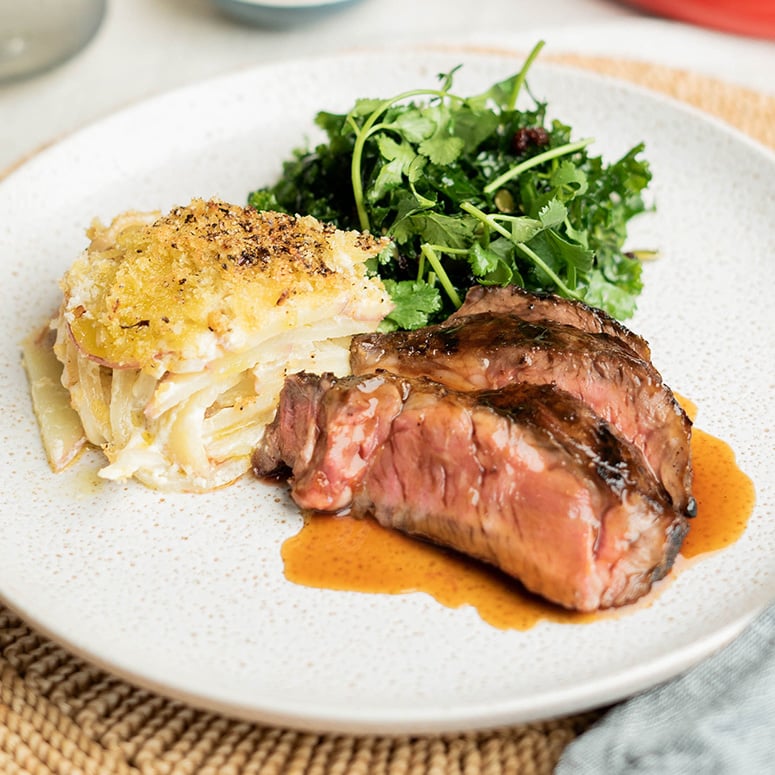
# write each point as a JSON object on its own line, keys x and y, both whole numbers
{"x": 717, "y": 718}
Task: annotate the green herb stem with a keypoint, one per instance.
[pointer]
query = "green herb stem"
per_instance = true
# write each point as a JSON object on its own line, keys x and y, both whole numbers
{"x": 538, "y": 261}
{"x": 443, "y": 278}
{"x": 493, "y": 224}
{"x": 534, "y": 161}
{"x": 489, "y": 220}
{"x": 450, "y": 251}
{"x": 363, "y": 133}
{"x": 519, "y": 81}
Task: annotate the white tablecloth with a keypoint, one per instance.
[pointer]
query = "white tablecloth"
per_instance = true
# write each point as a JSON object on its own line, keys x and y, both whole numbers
{"x": 145, "y": 47}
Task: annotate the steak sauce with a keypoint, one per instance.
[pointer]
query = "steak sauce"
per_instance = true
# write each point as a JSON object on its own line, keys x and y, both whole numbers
{"x": 345, "y": 553}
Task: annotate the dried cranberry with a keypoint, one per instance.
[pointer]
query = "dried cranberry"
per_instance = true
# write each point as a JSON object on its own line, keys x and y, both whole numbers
{"x": 533, "y": 136}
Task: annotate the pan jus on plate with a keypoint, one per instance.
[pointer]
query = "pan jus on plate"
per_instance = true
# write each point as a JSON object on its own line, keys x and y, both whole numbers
{"x": 527, "y": 431}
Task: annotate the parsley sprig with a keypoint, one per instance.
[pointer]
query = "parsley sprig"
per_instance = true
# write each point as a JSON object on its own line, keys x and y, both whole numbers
{"x": 472, "y": 190}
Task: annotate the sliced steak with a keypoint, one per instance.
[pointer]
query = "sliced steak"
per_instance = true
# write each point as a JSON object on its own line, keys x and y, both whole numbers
{"x": 535, "y": 307}
{"x": 314, "y": 411}
{"x": 526, "y": 478}
{"x": 490, "y": 351}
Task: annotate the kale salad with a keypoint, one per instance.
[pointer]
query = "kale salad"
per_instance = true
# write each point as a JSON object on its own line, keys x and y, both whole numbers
{"x": 472, "y": 189}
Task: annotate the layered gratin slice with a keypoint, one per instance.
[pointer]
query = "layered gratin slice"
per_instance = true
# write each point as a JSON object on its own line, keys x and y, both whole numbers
{"x": 176, "y": 332}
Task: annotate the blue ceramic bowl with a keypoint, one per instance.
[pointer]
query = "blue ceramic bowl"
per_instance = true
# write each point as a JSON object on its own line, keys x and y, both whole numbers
{"x": 280, "y": 13}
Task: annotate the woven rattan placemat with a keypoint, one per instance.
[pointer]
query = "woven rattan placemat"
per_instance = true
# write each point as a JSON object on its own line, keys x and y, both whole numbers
{"x": 58, "y": 714}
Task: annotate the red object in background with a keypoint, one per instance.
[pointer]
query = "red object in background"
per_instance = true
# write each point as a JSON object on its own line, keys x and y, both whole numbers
{"x": 746, "y": 17}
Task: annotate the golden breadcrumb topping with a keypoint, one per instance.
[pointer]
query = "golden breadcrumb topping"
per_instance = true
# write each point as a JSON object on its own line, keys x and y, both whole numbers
{"x": 176, "y": 332}
{"x": 170, "y": 292}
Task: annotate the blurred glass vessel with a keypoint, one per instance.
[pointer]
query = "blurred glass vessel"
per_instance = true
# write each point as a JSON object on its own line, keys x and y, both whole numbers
{"x": 36, "y": 35}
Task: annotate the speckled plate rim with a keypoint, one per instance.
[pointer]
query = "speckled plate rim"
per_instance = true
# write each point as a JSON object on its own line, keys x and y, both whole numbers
{"x": 64, "y": 528}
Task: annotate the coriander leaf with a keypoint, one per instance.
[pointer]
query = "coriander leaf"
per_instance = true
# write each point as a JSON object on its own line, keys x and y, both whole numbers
{"x": 364, "y": 107}
{"x": 263, "y": 200}
{"x": 517, "y": 229}
{"x": 524, "y": 229}
{"x": 489, "y": 267}
{"x": 569, "y": 178}
{"x": 578, "y": 236}
{"x": 454, "y": 231}
{"x": 441, "y": 150}
{"x": 442, "y": 147}
{"x": 415, "y": 302}
{"x": 500, "y": 93}
{"x": 331, "y": 123}
{"x": 483, "y": 260}
{"x": 568, "y": 260}
{"x": 553, "y": 213}
{"x": 473, "y": 126}
{"x": 414, "y": 125}
{"x": 400, "y": 156}
{"x": 406, "y": 205}
{"x": 620, "y": 299}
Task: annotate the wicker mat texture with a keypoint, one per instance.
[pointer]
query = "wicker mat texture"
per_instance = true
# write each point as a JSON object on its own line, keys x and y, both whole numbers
{"x": 59, "y": 714}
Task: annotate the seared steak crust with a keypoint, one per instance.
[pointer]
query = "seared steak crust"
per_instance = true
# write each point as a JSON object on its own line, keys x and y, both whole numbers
{"x": 535, "y": 307}
{"x": 494, "y": 350}
{"x": 527, "y": 478}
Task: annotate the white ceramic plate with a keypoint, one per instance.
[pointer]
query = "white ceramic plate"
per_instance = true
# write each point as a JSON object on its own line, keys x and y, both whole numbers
{"x": 186, "y": 595}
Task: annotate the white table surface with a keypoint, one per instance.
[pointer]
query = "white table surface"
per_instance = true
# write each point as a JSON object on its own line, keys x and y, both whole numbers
{"x": 147, "y": 47}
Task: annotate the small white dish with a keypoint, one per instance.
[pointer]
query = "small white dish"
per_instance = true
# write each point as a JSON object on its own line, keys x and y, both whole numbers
{"x": 280, "y": 13}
